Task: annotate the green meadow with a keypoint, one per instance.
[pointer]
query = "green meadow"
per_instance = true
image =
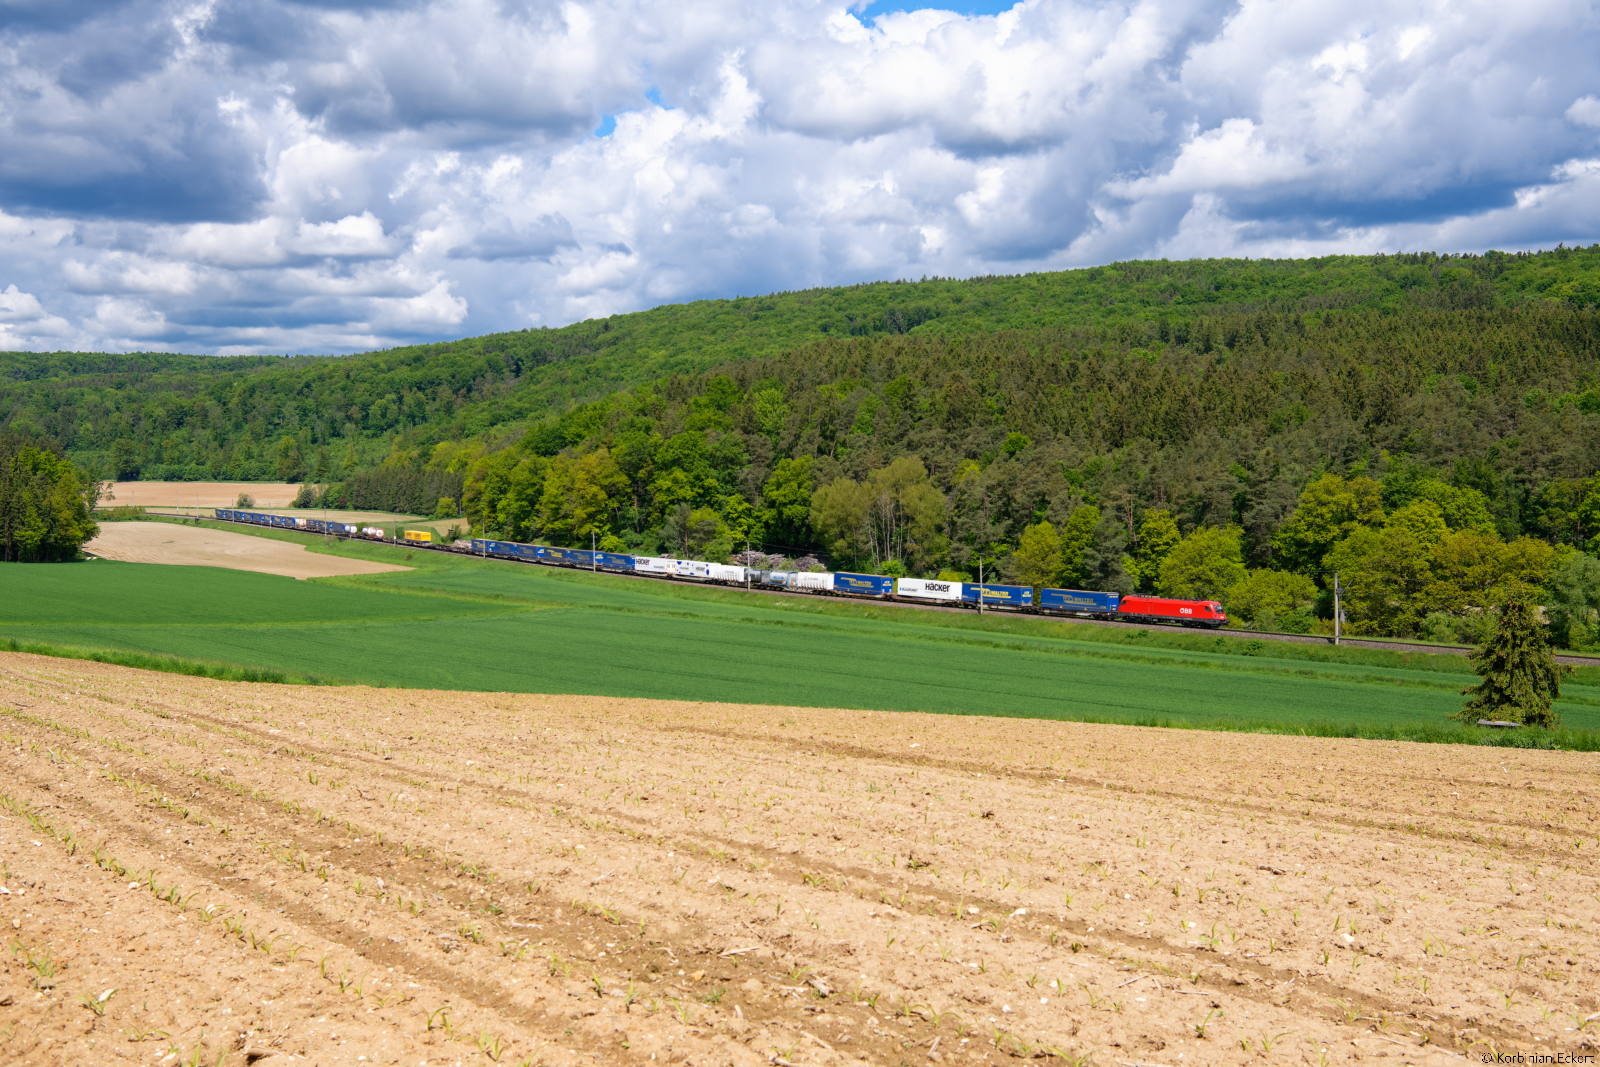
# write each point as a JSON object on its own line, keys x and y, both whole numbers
{"x": 461, "y": 623}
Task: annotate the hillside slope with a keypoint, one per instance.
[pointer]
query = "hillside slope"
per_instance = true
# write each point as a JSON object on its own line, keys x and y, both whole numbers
{"x": 162, "y": 415}
{"x": 1427, "y": 427}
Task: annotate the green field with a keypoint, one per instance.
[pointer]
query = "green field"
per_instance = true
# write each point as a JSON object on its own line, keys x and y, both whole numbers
{"x": 460, "y": 623}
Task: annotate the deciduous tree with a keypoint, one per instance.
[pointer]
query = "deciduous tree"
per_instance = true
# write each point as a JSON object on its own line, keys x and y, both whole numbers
{"x": 1158, "y": 535}
{"x": 1330, "y": 509}
{"x": 1204, "y": 565}
{"x": 1037, "y": 560}
{"x": 44, "y": 514}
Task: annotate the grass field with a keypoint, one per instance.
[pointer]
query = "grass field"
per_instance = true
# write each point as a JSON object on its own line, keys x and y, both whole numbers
{"x": 460, "y": 623}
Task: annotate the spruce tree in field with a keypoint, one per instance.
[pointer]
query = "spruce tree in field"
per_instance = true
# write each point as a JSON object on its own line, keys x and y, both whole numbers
{"x": 1521, "y": 677}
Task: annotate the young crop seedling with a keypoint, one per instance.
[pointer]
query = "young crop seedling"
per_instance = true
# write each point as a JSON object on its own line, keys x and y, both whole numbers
{"x": 42, "y": 963}
{"x": 95, "y": 1004}
{"x": 491, "y": 1045}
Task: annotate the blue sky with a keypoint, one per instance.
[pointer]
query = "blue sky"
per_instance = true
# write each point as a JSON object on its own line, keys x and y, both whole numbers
{"x": 978, "y": 7}
{"x": 335, "y": 175}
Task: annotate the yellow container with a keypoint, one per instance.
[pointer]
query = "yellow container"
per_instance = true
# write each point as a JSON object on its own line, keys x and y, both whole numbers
{"x": 425, "y": 536}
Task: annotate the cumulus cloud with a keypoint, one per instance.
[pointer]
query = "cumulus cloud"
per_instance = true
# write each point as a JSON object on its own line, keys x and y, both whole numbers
{"x": 1585, "y": 111}
{"x": 283, "y": 175}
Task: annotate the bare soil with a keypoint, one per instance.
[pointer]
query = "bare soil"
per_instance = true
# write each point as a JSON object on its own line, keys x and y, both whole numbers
{"x": 208, "y": 494}
{"x": 279, "y": 874}
{"x": 165, "y": 542}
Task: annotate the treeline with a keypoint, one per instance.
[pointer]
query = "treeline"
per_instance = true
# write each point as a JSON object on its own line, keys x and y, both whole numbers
{"x": 44, "y": 503}
{"x": 1192, "y": 464}
{"x": 161, "y": 416}
{"x": 395, "y": 487}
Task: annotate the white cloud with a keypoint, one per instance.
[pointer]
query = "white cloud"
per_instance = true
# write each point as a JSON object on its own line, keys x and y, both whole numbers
{"x": 1235, "y": 155}
{"x": 353, "y": 235}
{"x": 286, "y": 176}
{"x": 25, "y": 324}
{"x": 1585, "y": 111}
{"x": 21, "y": 315}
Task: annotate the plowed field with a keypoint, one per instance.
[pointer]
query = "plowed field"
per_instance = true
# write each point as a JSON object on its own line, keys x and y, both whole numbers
{"x": 198, "y": 494}
{"x": 197, "y": 870}
{"x": 169, "y": 543}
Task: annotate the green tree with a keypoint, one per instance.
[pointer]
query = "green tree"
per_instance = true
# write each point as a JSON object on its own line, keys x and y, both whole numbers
{"x": 1461, "y": 508}
{"x": 683, "y": 473}
{"x": 1037, "y": 560}
{"x": 1158, "y": 534}
{"x": 1268, "y": 595}
{"x": 896, "y": 511}
{"x": 1329, "y": 510}
{"x": 689, "y": 531}
{"x": 44, "y": 513}
{"x": 580, "y": 495}
{"x": 839, "y": 515}
{"x": 503, "y": 492}
{"x": 290, "y": 467}
{"x": 905, "y": 512}
{"x": 125, "y": 459}
{"x": 786, "y": 502}
{"x": 1422, "y": 521}
{"x": 1521, "y": 678}
{"x": 1472, "y": 570}
{"x": 1077, "y": 535}
{"x": 1384, "y": 575}
{"x": 1587, "y": 515}
{"x": 771, "y": 412}
{"x": 1204, "y": 565}
{"x": 1572, "y": 601}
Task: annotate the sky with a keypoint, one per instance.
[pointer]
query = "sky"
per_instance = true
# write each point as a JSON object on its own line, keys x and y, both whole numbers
{"x": 326, "y": 176}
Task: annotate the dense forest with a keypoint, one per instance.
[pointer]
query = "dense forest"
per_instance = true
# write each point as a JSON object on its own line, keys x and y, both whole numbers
{"x": 1428, "y": 427}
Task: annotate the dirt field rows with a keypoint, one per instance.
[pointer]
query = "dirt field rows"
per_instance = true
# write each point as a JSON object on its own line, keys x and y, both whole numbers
{"x": 273, "y": 874}
{"x": 197, "y": 546}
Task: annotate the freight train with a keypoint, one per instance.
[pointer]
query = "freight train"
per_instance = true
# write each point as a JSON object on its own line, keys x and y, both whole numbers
{"x": 1076, "y": 602}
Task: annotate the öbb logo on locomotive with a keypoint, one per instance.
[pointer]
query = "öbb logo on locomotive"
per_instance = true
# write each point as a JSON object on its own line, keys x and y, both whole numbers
{"x": 1084, "y": 603}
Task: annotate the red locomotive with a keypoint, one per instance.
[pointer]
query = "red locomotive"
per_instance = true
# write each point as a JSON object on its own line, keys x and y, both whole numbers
{"x": 1207, "y": 613}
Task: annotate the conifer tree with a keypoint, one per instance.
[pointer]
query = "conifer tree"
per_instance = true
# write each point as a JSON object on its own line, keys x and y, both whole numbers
{"x": 1521, "y": 677}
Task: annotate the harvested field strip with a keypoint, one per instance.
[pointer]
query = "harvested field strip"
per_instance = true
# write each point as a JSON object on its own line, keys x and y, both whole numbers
{"x": 182, "y": 544}
{"x": 402, "y": 874}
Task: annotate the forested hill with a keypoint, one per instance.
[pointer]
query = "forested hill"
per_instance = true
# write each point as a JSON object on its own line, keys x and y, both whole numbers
{"x": 187, "y": 417}
{"x": 1428, "y": 427}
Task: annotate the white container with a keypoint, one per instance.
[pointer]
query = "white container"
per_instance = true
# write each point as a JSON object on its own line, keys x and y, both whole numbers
{"x": 927, "y": 589}
{"x": 653, "y": 565}
{"x": 665, "y": 567}
{"x": 821, "y": 581}
{"x": 723, "y": 572}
